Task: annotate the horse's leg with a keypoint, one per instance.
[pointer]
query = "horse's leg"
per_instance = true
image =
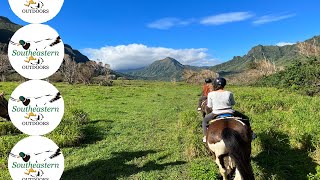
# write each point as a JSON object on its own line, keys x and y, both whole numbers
{"x": 219, "y": 150}
{"x": 222, "y": 170}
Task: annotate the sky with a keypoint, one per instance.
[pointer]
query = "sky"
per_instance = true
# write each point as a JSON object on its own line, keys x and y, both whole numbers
{"x": 129, "y": 34}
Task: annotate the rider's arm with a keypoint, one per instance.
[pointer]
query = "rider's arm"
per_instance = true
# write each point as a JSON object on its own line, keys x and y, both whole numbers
{"x": 232, "y": 101}
{"x": 209, "y": 102}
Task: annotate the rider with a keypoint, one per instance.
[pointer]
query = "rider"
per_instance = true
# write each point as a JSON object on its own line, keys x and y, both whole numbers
{"x": 207, "y": 87}
{"x": 221, "y": 102}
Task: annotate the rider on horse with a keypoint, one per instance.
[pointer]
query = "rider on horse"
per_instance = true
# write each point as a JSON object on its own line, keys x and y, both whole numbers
{"x": 221, "y": 102}
{"x": 207, "y": 87}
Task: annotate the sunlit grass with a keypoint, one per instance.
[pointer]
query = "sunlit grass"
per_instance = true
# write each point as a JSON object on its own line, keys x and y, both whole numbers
{"x": 151, "y": 130}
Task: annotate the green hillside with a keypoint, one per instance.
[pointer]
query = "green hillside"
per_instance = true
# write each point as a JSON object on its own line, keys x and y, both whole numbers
{"x": 281, "y": 56}
{"x": 5, "y": 23}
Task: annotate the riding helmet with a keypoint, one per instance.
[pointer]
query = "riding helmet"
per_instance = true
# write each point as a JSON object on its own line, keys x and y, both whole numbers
{"x": 220, "y": 82}
{"x": 208, "y": 80}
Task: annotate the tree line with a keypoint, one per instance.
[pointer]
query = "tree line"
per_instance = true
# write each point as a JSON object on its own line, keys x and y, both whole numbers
{"x": 70, "y": 71}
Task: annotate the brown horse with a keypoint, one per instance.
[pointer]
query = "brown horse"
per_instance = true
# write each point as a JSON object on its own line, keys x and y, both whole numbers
{"x": 204, "y": 108}
{"x": 4, "y": 107}
{"x": 229, "y": 139}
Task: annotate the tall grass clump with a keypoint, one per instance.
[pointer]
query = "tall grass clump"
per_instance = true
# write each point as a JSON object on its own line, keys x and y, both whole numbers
{"x": 7, "y": 128}
{"x": 189, "y": 125}
{"x": 201, "y": 167}
{"x": 70, "y": 132}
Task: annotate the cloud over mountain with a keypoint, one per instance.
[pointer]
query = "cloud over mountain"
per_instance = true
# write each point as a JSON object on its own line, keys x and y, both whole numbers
{"x": 284, "y": 43}
{"x": 138, "y": 55}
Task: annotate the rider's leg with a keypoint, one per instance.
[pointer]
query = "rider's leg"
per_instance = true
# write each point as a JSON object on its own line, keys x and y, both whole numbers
{"x": 205, "y": 122}
{"x": 246, "y": 121}
{"x": 239, "y": 114}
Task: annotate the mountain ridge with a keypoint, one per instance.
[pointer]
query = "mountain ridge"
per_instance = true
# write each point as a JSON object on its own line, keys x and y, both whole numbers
{"x": 166, "y": 69}
{"x": 280, "y": 55}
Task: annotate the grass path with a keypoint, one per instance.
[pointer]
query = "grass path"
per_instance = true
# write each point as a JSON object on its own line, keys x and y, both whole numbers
{"x": 132, "y": 133}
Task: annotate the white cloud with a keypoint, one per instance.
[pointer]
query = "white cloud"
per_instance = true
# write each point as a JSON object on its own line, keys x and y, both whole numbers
{"x": 226, "y": 18}
{"x": 272, "y": 18}
{"x": 167, "y": 23}
{"x": 218, "y": 19}
{"x": 284, "y": 43}
{"x": 138, "y": 55}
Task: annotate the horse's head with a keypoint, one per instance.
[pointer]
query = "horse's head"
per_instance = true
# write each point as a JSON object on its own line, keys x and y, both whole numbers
{"x": 4, "y": 107}
{"x": 230, "y": 141}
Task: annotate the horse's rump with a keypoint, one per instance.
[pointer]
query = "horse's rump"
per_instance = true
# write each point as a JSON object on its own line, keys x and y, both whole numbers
{"x": 229, "y": 139}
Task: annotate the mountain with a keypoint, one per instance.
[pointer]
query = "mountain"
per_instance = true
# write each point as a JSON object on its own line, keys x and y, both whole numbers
{"x": 5, "y": 23}
{"x": 280, "y": 55}
{"x": 129, "y": 70}
{"x": 8, "y": 28}
{"x": 79, "y": 58}
{"x": 166, "y": 69}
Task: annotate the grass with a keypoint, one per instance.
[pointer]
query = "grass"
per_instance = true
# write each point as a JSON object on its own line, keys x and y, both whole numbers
{"x": 150, "y": 130}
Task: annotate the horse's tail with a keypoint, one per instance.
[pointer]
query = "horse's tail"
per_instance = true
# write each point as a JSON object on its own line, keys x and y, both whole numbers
{"x": 239, "y": 152}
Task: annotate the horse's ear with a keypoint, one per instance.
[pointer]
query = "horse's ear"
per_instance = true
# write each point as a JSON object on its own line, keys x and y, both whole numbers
{"x": 1, "y": 94}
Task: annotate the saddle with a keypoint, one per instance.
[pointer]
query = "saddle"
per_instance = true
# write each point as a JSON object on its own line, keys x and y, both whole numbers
{"x": 228, "y": 116}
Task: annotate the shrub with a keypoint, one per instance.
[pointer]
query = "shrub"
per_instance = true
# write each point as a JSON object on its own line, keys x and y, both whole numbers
{"x": 7, "y": 128}
{"x": 300, "y": 76}
{"x": 80, "y": 116}
{"x": 102, "y": 81}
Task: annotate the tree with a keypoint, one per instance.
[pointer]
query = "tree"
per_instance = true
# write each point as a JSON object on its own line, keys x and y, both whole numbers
{"x": 86, "y": 72}
{"x": 69, "y": 69}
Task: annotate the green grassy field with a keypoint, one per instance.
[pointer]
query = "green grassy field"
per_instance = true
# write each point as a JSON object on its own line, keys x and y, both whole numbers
{"x": 151, "y": 130}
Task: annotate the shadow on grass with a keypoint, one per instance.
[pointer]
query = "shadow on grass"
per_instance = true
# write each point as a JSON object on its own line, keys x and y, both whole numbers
{"x": 281, "y": 161}
{"x": 116, "y": 167}
{"x": 96, "y": 130}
